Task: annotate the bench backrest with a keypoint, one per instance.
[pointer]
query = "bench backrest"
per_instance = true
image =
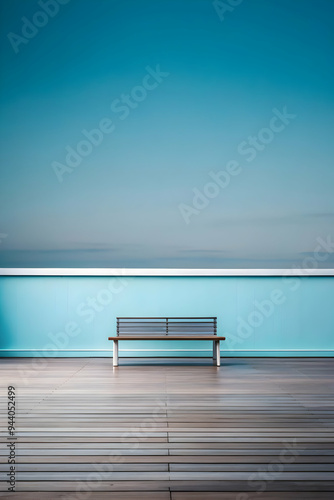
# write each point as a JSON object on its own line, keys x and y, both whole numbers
{"x": 166, "y": 326}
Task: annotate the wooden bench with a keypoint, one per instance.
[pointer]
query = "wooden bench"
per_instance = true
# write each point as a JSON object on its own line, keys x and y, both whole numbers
{"x": 167, "y": 329}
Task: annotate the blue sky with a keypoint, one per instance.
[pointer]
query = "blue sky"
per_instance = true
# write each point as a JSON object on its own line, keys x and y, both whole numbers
{"x": 129, "y": 201}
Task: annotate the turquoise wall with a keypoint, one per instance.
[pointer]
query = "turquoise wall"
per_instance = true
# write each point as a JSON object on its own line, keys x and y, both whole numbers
{"x": 73, "y": 316}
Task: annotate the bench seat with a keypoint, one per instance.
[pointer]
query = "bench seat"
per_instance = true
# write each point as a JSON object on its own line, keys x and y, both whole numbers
{"x": 167, "y": 337}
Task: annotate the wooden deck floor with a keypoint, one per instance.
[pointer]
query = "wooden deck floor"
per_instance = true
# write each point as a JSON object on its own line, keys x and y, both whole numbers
{"x": 171, "y": 429}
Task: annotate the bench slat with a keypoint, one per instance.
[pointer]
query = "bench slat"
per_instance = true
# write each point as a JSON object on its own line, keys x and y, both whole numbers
{"x": 169, "y": 318}
{"x": 164, "y": 333}
{"x": 176, "y": 329}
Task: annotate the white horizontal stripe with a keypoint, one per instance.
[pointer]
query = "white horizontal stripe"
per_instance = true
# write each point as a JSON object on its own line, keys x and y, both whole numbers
{"x": 161, "y": 272}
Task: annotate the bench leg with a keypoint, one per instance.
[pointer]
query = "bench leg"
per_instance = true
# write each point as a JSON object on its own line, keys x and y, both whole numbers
{"x": 214, "y": 350}
{"x": 115, "y": 353}
{"x": 217, "y": 342}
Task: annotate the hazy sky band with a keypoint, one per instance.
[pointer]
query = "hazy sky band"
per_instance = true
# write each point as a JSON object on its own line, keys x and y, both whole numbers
{"x": 151, "y": 106}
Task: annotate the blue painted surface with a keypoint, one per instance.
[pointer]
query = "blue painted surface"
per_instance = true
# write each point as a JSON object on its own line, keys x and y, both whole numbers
{"x": 73, "y": 316}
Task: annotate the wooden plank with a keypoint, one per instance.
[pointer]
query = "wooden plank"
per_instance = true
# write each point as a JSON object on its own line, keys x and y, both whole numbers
{"x": 265, "y": 495}
{"x": 200, "y": 459}
{"x": 98, "y": 495}
{"x": 173, "y": 486}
